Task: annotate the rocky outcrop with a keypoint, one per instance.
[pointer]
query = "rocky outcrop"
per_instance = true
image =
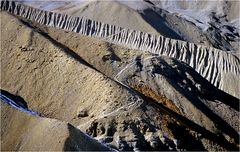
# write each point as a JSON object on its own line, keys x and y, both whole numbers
{"x": 181, "y": 89}
{"x": 218, "y": 67}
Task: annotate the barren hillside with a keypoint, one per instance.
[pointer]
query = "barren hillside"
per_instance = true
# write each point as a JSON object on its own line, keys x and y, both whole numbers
{"x": 63, "y": 90}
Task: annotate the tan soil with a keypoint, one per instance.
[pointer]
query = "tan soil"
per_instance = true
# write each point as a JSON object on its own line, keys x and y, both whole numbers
{"x": 23, "y": 132}
{"x": 49, "y": 71}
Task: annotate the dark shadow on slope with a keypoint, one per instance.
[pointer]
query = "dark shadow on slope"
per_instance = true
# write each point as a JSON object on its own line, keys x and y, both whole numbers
{"x": 78, "y": 141}
{"x": 220, "y": 140}
{"x": 19, "y": 100}
{"x": 111, "y": 56}
{"x": 176, "y": 80}
{"x": 69, "y": 143}
{"x": 148, "y": 1}
{"x": 16, "y": 102}
{"x": 160, "y": 24}
{"x": 181, "y": 132}
{"x": 221, "y": 34}
{"x": 187, "y": 141}
{"x": 210, "y": 92}
{"x": 141, "y": 143}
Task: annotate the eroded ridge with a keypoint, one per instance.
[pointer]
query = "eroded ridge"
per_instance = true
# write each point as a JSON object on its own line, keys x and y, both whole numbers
{"x": 220, "y": 68}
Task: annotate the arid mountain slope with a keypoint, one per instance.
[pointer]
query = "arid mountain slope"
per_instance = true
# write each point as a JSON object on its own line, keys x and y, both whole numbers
{"x": 209, "y": 23}
{"x": 128, "y": 99}
{"x": 55, "y": 83}
{"x": 110, "y": 12}
{"x": 60, "y": 82}
{"x": 215, "y": 65}
{"x": 23, "y": 132}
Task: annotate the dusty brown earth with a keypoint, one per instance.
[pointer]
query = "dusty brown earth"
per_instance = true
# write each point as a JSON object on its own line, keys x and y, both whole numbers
{"x": 128, "y": 99}
{"x": 21, "y": 131}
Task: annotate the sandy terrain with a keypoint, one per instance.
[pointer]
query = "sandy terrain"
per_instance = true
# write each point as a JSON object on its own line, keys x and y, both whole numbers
{"x": 217, "y": 66}
{"x": 127, "y": 99}
{"x": 73, "y": 92}
{"x": 23, "y": 132}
